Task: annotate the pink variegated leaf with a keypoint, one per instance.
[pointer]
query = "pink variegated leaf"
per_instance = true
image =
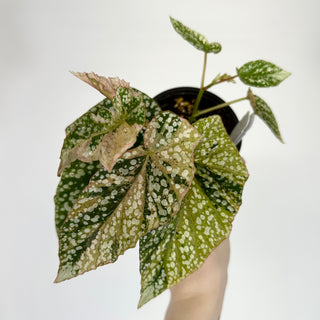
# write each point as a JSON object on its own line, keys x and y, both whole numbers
{"x": 107, "y": 131}
{"x": 114, "y": 144}
{"x": 107, "y": 86}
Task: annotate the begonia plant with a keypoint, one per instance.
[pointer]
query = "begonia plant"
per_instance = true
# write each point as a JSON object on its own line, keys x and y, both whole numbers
{"x": 131, "y": 173}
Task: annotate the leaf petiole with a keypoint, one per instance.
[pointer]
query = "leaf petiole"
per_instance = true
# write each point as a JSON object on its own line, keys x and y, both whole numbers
{"x": 201, "y": 91}
{"x": 219, "y": 106}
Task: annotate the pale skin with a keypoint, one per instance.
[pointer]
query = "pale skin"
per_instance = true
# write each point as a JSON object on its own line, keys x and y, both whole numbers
{"x": 200, "y": 295}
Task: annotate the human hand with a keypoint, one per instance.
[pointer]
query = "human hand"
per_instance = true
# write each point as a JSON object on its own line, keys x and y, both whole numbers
{"x": 200, "y": 295}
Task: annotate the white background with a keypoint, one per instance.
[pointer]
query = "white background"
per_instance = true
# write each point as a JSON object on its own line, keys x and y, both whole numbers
{"x": 275, "y": 263}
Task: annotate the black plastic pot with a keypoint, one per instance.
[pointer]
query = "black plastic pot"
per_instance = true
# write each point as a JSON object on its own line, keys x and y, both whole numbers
{"x": 167, "y": 101}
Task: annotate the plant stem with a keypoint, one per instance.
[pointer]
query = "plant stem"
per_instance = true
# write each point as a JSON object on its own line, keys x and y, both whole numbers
{"x": 200, "y": 94}
{"x": 219, "y": 106}
{"x": 204, "y": 70}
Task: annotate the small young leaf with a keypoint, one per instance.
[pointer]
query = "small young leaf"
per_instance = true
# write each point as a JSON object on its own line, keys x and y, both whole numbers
{"x": 73, "y": 180}
{"x": 225, "y": 77}
{"x": 143, "y": 191}
{"x": 171, "y": 252}
{"x": 196, "y": 39}
{"x": 112, "y": 124}
{"x": 261, "y": 73}
{"x": 263, "y": 111}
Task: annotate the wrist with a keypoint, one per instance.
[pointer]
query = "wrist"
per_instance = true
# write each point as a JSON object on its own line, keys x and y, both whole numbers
{"x": 200, "y": 295}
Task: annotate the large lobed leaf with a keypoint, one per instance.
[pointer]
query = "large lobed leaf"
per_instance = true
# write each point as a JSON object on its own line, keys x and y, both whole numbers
{"x": 196, "y": 39}
{"x": 171, "y": 252}
{"x": 142, "y": 192}
{"x": 111, "y": 125}
{"x": 262, "y": 74}
{"x": 264, "y": 112}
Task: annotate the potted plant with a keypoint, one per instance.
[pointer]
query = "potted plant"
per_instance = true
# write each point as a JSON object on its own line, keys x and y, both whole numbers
{"x": 160, "y": 171}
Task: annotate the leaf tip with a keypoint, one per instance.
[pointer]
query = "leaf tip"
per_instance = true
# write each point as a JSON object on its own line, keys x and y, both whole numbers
{"x": 60, "y": 169}
{"x": 64, "y": 273}
{"x": 173, "y": 20}
{"x": 281, "y": 139}
{"x": 284, "y": 75}
{"x": 58, "y": 278}
{"x": 216, "y": 47}
{"x": 145, "y": 296}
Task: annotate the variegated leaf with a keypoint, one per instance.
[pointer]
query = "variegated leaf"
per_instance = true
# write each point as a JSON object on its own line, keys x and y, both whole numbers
{"x": 196, "y": 39}
{"x": 79, "y": 125}
{"x": 143, "y": 191}
{"x": 151, "y": 106}
{"x": 261, "y": 73}
{"x": 112, "y": 125}
{"x": 264, "y": 112}
{"x": 171, "y": 252}
{"x": 73, "y": 180}
{"x": 217, "y": 153}
{"x": 107, "y": 86}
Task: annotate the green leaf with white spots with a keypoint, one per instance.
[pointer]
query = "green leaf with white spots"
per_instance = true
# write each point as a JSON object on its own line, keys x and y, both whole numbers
{"x": 264, "y": 112}
{"x": 108, "y": 129}
{"x": 262, "y": 74}
{"x": 78, "y": 126}
{"x": 151, "y": 106}
{"x": 199, "y": 41}
{"x": 152, "y": 109}
{"x": 171, "y": 252}
{"x": 73, "y": 180}
{"x": 142, "y": 192}
{"x": 217, "y": 153}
